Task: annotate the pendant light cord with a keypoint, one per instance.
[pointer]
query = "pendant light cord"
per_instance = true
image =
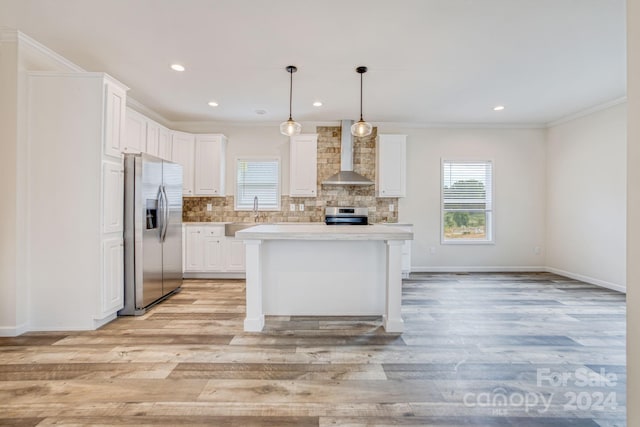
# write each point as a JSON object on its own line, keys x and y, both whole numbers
{"x": 360, "y": 96}
{"x": 290, "y": 92}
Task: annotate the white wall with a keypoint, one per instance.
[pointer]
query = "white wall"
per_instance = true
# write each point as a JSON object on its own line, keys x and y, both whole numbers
{"x": 18, "y": 54}
{"x": 9, "y": 317}
{"x": 633, "y": 213}
{"x": 586, "y": 197}
{"x": 518, "y": 157}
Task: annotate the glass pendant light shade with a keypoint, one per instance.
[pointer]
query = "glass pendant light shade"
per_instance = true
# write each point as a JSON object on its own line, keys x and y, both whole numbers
{"x": 361, "y": 128}
{"x": 290, "y": 127}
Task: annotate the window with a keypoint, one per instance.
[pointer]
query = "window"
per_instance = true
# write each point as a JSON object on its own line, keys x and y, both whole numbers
{"x": 467, "y": 199}
{"x": 258, "y": 178}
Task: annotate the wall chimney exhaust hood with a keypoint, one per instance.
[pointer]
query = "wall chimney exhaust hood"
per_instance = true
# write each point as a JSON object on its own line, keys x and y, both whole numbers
{"x": 346, "y": 176}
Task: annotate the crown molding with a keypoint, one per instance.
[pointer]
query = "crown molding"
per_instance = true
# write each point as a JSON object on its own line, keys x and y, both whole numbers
{"x": 143, "y": 109}
{"x": 587, "y": 112}
{"x": 61, "y": 60}
{"x": 8, "y": 35}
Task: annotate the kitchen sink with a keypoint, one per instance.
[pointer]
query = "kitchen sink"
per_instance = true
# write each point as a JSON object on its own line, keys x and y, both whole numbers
{"x": 231, "y": 228}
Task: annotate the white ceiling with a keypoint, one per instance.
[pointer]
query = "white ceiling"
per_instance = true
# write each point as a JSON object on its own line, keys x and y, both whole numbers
{"x": 430, "y": 61}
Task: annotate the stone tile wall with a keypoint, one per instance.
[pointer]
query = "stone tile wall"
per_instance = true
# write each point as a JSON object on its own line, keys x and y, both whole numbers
{"x": 364, "y": 163}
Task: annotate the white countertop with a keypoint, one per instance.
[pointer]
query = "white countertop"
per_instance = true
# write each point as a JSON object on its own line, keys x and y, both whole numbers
{"x": 320, "y": 231}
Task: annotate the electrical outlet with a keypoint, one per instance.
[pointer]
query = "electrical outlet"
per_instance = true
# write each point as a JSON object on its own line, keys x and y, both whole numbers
{"x": 432, "y": 250}
{"x": 292, "y": 207}
{"x": 537, "y": 250}
{"x": 301, "y": 207}
{"x": 391, "y": 207}
{"x": 209, "y": 207}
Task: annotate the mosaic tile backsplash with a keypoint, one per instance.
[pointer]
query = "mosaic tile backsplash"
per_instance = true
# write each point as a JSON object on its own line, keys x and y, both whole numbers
{"x": 364, "y": 163}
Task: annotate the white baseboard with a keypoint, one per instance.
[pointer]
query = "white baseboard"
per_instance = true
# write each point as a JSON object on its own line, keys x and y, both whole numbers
{"x": 527, "y": 269}
{"x": 13, "y": 331}
{"x": 587, "y": 279}
{"x": 478, "y": 269}
{"x": 229, "y": 275}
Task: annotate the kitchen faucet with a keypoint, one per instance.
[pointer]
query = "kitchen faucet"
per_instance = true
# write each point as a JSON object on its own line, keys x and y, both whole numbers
{"x": 255, "y": 209}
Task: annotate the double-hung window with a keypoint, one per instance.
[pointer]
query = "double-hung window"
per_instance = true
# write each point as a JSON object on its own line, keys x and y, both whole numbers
{"x": 257, "y": 178}
{"x": 467, "y": 201}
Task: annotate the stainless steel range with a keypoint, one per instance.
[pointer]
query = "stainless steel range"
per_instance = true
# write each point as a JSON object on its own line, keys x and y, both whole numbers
{"x": 346, "y": 216}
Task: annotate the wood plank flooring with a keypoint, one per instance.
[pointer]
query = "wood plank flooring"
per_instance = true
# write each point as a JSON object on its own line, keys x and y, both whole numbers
{"x": 479, "y": 350}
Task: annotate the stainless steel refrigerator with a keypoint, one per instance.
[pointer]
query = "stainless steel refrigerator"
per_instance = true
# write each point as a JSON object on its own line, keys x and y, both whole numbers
{"x": 152, "y": 231}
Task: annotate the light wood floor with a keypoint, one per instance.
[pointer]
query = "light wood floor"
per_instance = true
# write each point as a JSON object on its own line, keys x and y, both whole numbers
{"x": 479, "y": 350}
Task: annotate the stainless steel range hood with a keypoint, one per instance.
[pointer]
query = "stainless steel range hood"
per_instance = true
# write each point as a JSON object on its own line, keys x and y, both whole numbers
{"x": 346, "y": 176}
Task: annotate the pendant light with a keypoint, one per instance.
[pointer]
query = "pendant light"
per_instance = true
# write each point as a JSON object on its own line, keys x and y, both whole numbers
{"x": 290, "y": 127}
{"x": 361, "y": 128}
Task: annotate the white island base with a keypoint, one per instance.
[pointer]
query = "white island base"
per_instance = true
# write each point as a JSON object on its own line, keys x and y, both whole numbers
{"x": 320, "y": 270}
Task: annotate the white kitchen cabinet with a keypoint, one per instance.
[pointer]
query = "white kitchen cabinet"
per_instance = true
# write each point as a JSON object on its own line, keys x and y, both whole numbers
{"x": 210, "y": 163}
{"x": 112, "y": 276}
{"x": 209, "y": 253}
{"x": 182, "y": 152}
{"x": 164, "y": 143}
{"x": 75, "y": 197}
{"x": 193, "y": 249}
{"x": 114, "y": 120}
{"x": 391, "y": 165}
{"x": 303, "y": 167}
{"x": 234, "y": 255}
{"x": 112, "y": 197}
{"x": 212, "y": 243}
{"x": 135, "y": 132}
{"x": 152, "y": 140}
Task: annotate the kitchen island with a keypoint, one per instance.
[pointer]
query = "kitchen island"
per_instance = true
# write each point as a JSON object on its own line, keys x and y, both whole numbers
{"x": 324, "y": 270}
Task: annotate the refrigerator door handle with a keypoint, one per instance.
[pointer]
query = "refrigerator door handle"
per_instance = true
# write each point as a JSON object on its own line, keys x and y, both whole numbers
{"x": 165, "y": 212}
{"x": 161, "y": 214}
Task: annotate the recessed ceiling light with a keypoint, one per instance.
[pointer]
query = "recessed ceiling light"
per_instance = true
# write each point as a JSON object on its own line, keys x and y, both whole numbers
{"x": 177, "y": 67}
{"x": 498, "y": 108}
{"x": 213, "y": 104}
{"x": 317, "y": 104}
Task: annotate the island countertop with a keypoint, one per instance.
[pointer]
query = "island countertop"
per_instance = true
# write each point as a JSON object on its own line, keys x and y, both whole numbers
{"x": 323, "y": 232}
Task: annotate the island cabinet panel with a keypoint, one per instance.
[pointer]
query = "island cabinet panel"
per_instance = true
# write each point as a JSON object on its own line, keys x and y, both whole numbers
{"x": 303, "y": 165}
{"x": 210, "y": 163}
{"x": 391, "y": 166}
{"x": 183, "y": 153}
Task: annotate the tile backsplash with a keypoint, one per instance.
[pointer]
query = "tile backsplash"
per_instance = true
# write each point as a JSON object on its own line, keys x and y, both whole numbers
{"x": 364, "y": 163}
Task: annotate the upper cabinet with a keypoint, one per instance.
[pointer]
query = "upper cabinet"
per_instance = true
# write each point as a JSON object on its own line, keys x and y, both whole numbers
{"x": 164, "y": 143}
{"x": 152, "y": 142}
{"x": 183, "y": 148}
{"x": 116, "y": 98}
{"x": 135, "y": 132}
{"x": 303, "y": 165}
{"x": 202, "y": 156}
{"x": 210, "y": 164}
{"x": 391, "y": 166}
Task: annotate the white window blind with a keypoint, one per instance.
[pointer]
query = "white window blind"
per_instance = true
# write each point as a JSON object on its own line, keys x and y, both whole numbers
{"x": 467, "y": 200}
{"x": 258, "y": 178}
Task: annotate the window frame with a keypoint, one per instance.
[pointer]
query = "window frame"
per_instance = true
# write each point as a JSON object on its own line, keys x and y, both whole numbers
{"x": 489, "y": 214}
{"x": 278, "y": 206}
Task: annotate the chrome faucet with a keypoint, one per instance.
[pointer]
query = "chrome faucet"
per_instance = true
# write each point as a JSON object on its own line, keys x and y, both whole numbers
{"x": 255, "y": 209}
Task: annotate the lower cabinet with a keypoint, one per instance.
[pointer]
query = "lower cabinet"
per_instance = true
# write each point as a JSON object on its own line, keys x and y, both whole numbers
{"x": 207, "y": 250}
{"x": 113, "y": 276}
